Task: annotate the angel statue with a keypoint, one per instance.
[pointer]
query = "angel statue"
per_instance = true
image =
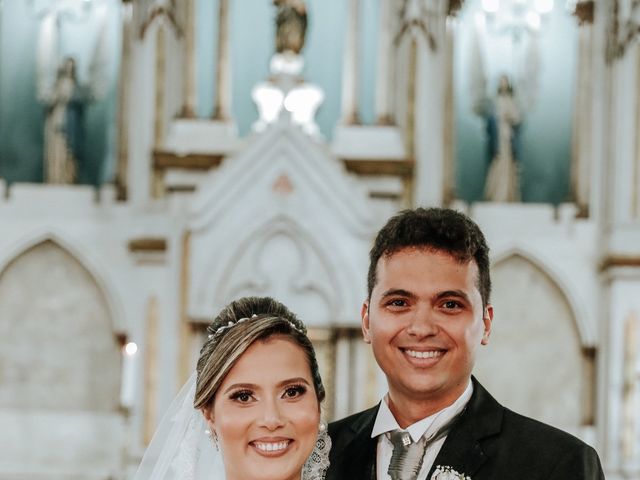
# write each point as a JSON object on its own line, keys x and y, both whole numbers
{"x": 65, "y": 101}
{"x": 291, "y": 25}
{"x": 503, "y": 115}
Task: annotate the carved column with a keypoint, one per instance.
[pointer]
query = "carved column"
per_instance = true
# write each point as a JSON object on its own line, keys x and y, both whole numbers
{"x": 449, "y": 126}
{"x": 582, "y": 151}
{"x": 350, "y": 67}
{"x": 618, "y": 223}
{"x": 385, "y": 70}
{"x": 189, "y": 80}
{"x": 430, "y": 106}
{"x": 222, "y": 94}
{"x": 124, "y": 89}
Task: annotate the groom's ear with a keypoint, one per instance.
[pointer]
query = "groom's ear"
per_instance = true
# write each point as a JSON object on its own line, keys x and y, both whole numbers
{"x": 364, "y": 315}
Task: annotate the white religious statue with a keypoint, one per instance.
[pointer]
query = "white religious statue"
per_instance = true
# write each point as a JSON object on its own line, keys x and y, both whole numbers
{"x": 285, "y": 96}
{"x": 503, "y": 112}
{"x": 291, "y": 25}
{"x": 64, "y": 126}
{"x": 503, "y": 118}
{"x": 65, "y": 98}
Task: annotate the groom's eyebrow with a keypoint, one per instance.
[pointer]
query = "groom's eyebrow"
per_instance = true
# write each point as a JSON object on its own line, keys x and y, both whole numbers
{"x": 399, "y": 292}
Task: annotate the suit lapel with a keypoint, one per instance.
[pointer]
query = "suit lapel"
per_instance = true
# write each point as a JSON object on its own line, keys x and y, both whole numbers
{"x": 462, "y": 450}
{"x": 360, "y": 452}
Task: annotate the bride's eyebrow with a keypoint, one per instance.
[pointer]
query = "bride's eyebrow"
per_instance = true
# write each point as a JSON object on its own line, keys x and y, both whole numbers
{"x": 294, "y": 380}
{"x": 251, "y": 386}
{"x": 236, "y": 386}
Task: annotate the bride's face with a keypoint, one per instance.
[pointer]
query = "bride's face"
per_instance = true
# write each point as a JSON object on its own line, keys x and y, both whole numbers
{"x": 266, "y": 413}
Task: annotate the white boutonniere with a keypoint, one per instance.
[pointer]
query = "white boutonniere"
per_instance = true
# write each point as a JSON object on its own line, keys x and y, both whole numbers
{"x": 448, "y": 473}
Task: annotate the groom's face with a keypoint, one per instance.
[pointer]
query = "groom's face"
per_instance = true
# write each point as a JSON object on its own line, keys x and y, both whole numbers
{"x": 425, "y": 321}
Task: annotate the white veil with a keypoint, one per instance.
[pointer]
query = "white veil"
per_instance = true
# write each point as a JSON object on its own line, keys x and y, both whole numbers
{"x": 181, "y": 449}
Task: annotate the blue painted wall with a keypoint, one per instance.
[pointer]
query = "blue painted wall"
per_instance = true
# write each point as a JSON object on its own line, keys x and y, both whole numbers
{"x": 22, "y": 116}
{"x": 546, "y": 132}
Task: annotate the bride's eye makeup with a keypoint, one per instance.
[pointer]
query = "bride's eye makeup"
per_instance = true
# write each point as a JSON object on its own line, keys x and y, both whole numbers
{"x": 242, "y": 396}
{"x": 294, "y": 391}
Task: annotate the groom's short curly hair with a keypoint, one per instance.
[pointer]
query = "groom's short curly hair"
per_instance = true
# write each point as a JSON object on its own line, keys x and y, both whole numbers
{"x": 439, "y": 229}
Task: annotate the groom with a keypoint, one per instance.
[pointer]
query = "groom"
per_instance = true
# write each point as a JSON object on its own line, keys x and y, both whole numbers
{"x": 426, "y": 315}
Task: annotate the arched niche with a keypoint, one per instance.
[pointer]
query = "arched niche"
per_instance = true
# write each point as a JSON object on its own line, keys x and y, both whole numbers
{"x": 535, "y": 362}
{"x": 58, "y": 350}
{"x": 280, "y": 260}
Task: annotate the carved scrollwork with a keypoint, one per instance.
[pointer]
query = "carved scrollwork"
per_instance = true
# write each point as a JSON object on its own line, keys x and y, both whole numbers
{"x": 621, "y": 33}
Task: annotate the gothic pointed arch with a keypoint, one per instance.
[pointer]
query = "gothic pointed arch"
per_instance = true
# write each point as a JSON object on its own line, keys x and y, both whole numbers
{"x": 543, "y": 341}
{"x": 92, "y": 264}
{"x": 58, "y": 345}
{"x": 280, "y": 259}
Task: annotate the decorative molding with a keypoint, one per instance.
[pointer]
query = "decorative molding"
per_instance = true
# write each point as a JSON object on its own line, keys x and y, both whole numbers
{"x": 163, "y": 160}
{"x": 621, "y": 34}
{"x": 614, "y": 261}
{"x": 147, "y": 244}
{"x": 415, "y": 17}
{"x": 400, "y": 168}
{"x": 454, "y": 7}
{"x": 161, "y": 12}
{"x": 584, "y": 11}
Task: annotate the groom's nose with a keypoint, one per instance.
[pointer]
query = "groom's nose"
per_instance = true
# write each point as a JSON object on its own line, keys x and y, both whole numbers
{"x": 422, "y": 323}
{"x": 271, "y": 414}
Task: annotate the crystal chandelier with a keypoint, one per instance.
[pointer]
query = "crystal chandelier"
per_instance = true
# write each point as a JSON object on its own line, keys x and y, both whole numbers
{"x": 515, "y": 18}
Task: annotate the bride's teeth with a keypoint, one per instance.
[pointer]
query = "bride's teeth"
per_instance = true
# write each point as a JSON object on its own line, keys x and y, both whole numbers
{"x": 429, "y": 354}
{"x": 271, "y": 447}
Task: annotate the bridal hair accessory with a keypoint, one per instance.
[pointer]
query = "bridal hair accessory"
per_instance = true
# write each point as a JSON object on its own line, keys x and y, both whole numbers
{"x": 448, "y": 473}
{"x": 317, "y": 464}
{"x": 244, "y": 319}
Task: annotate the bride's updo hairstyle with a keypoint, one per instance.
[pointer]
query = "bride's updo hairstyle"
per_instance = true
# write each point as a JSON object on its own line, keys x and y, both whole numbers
{"x": 234, "y": 330}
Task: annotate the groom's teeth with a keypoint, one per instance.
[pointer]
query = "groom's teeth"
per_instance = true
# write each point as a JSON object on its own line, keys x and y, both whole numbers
{"x": 429, "y": 354}
{"x": 271, "y": 447}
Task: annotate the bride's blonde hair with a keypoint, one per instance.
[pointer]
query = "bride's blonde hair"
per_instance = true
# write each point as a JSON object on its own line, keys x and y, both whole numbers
{"x": 234, "y": 330}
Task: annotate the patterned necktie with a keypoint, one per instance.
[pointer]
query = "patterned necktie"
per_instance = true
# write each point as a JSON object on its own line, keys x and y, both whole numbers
{"x": 407, "y": 456}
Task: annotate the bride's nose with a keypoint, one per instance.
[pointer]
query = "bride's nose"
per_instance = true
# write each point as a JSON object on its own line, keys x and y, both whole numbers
{"x": 271, "y": 417}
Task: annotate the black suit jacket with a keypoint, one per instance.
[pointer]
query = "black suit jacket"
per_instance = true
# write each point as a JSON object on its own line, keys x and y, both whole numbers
{"x": 488, "y": 442}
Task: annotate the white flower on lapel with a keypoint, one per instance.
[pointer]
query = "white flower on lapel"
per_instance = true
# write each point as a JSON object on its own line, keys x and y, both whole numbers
{"x": 448, "y": 473}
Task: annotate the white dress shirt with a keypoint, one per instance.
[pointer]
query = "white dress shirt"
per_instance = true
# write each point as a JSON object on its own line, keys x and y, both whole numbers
{"x": 386, "y": 422}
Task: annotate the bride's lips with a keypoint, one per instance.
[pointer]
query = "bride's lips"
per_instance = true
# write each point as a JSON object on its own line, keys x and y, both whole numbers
{"x": 272, "y": 446}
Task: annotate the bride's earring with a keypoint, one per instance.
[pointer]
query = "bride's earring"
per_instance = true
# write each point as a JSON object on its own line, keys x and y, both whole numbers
{"x": 214, "y": 438}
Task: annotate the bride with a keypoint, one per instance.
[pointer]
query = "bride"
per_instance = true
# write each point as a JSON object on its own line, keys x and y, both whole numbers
{"x": 252, "y": 408}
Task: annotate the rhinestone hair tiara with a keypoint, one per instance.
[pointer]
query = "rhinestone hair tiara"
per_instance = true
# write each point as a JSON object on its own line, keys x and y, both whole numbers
{"x": 221, "y": 329}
